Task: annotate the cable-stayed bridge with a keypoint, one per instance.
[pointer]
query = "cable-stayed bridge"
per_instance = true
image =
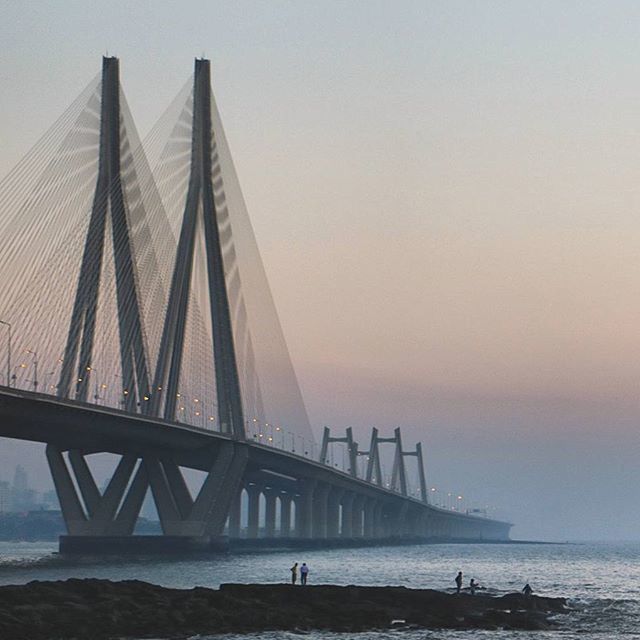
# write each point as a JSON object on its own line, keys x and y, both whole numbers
{"x": 139, "y": 322}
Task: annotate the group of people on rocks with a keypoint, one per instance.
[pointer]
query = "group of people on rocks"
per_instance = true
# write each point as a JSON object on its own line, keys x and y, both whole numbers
{"x": 474, "y": 586}
{"x": 304, "y": 572}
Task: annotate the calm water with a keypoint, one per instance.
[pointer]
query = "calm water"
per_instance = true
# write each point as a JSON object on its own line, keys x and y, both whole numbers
{"x": 602, "y": 581}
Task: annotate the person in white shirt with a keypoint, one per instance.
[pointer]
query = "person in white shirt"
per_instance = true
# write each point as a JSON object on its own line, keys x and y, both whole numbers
{"x": 304, "y": 570}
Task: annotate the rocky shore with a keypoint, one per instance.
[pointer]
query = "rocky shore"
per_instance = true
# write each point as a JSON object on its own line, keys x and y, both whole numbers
{"x": 102, "y": 609}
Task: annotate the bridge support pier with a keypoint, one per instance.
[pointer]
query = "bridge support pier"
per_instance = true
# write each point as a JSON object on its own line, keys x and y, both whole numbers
{"x": 107, "y": 520}
{"x": 320, "y": 500}
{"x": 347, "y": 515}
{"x": 356, "y": 526}
{"x": 234, "y": 515}
{"x": 412, "y": 523}
{"x": 333, "y": 513}
{"x": 204, "y": 516}
{"x": 380, "y": 520}
{"x": 285, "y": 515}
{"x": 304, "y": 509}
{"x": 97, "y": 514}
{"x": 253, "y": 514}
{"x": 270, "y": 513}
{"x": 369, "y": 519}
{"x": 399, "y": 518}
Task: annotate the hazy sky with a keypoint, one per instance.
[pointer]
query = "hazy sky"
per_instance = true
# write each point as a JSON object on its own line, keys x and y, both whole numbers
{"x": 447, "y": 198}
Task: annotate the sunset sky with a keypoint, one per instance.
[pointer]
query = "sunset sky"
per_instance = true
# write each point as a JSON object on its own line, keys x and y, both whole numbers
{"x": 447, "y": 200}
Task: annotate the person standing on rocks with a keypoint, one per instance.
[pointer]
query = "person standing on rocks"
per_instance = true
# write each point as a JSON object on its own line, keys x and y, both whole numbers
{"x": 459, "y": 582}
{"x": 304, "y": 570}
{"x": 473, "y": 585}
{"x": 294, "y": 573}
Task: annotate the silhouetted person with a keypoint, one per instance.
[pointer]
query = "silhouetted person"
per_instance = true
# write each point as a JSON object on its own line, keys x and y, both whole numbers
{"x": 473, "y": 585}
{"x": 459, "y": 582}
{"x": 304, "y": 570}
{"x": 527, "y": 590}
{"x": 294, "y": 573}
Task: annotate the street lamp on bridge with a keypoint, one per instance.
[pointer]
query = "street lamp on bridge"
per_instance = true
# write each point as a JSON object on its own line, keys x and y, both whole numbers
{"x": 34, "y": 354}
{"x": 8, "y": 325}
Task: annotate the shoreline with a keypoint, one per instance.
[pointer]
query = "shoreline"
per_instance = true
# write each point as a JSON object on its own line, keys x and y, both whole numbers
{"x": 102, "y": 609}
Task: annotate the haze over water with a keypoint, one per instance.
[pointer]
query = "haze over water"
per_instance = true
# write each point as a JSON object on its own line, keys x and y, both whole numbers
{"x": 445, "y": 197}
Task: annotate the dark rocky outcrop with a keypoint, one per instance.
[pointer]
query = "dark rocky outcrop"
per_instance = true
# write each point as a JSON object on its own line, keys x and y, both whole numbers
{"x": 102, "y": 609}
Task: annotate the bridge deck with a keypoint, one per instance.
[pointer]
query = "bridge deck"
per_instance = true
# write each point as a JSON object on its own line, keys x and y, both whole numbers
{"x": 92, "y": 428}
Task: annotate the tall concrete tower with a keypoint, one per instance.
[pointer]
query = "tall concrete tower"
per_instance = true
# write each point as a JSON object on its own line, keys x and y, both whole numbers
{"x": 200, "y": 216}
{"x": 108, "y": 210}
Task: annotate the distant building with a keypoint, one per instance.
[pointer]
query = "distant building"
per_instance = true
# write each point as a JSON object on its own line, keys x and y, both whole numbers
{"x": 5, "y": 497}
{"x": 23, "y": 498}
{"x": 20, "y": 479}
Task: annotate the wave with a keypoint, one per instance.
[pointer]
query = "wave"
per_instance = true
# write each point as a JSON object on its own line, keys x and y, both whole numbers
{"x": 603, "y": 615}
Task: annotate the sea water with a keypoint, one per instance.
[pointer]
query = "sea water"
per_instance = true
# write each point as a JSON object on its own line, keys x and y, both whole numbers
{"x": 600, "y": 581}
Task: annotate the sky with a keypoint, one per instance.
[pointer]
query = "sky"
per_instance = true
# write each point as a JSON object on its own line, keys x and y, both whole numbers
{"x": 446, "y": 198}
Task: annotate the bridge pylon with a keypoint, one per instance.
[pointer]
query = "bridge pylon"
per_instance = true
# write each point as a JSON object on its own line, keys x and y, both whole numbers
{"x": 106, "y": 520}
{"x": 109, "y": 210}
{"x": 422, "y": 480}
{"x": 374, "y": 465}
{"x": 200, "y": 215}
{"x": 352, "y": 448}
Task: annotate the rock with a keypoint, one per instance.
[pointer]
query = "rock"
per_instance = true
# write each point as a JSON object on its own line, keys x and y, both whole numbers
{"x": 102, "y": 609}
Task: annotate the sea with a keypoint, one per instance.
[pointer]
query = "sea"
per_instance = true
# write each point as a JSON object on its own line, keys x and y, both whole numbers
{"x": 600, "y": 581}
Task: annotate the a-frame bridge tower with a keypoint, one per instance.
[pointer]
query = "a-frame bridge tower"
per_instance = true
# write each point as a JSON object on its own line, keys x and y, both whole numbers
{"x": 200, "y": 214}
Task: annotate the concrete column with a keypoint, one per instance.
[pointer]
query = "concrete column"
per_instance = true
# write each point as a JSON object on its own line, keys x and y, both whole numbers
{"x": 320, "y": 500}
{"x": 127, "y": 517}
{"x": 234, "y": 516}
{"x": 423, "y": 523}
{"x": 415, "y": 522}
{"x": 167, "y": 511}
{"x": 285, "y": 515}
{"x": 369, "y": 518}
{"x": 426, "y": 524}
{"x": 379, "y": 529}
{"x": 333, "y": 513}
{"x": 397, "y": 523}
{"x": 432, "y": 530}
{"x": 253, "y": 491}
{"x": 347, "y": 515}
{"x": 72, "y": 511}
{"x": 447, "y": 528}
{"x": 304, "y": 509}
{"x": 87, "y": 485}
{"x": 270, "y": 513}
{"x": 356, "y": 516}
{"x": 412, "y": 523}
